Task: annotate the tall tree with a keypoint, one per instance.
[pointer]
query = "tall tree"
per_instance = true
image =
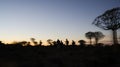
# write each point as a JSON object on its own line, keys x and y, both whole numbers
{"x": 110, "y": 20}
{"x": 89, "y": 35}
{"x": 98, "y": 35}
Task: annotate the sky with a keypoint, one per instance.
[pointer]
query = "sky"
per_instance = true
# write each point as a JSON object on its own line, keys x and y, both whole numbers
{"x": 51, "y": 19}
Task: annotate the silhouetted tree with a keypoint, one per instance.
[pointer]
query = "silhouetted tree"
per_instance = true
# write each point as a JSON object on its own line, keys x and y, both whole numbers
{"x": 1, "y": 44}
{"x": 98, "y": 35}
{"x": 50, "y": 42}
{"x": 82, "y": 42}
{"x": 67, "y": 42}
{"x": 20, "y": 43}
{"x": 73, "y": 42}
{"x": 110, "y": 20}
{"x": 40, "y": 43}
{"x": 28, "y": 44}
{"x": 33, "y": 41}
{"x": 89, "y": 35}
{"x": 23, "y": 43}
{"x": 54, "y": 43}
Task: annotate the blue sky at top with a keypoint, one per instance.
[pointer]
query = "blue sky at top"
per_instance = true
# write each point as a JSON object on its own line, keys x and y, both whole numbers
{"x": 44, "y": 19}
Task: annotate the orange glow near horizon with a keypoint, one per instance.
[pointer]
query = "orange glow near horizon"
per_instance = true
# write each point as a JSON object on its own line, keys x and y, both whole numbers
{"x": 104, "y": 40}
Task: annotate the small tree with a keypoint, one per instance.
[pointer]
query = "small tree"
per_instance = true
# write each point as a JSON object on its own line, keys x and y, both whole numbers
{"x": 82, "y": 42}
{"x": 1, "y": 44}
{"x": 89, "y": 35}
{"x": 98, "y": 35}
{"x": 110, "y": 20}
{"x": 40, "y": 43}
{"x": 23, "y": 43}
{"x": 33, "y": 41}
{"x": 50, "y": 42}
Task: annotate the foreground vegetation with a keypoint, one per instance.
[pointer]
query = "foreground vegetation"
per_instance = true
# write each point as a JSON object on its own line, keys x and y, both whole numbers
{"x": 64, "y": 56}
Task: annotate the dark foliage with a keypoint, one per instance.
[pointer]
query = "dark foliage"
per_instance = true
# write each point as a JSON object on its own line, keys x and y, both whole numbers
{"x": 89, "y": 35}
{"x": 66, "y": 56}
{"x": 109, "y": 20}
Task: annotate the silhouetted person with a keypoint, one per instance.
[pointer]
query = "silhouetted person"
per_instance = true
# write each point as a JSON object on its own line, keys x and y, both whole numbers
{"x": 61, "y": 43}
{"x": 73, "y": 42}
{"x": 58, "y": 42}
{"x": 67, "y": 42}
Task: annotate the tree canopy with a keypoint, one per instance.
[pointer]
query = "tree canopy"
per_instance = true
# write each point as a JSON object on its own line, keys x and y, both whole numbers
{"x": 110, "y": 20}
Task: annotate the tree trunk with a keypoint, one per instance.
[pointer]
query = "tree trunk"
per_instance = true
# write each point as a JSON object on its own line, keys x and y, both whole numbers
{"x": 115, "y": 41}
{"x": 96, "y": 41}
{"x": 90, "y": 41}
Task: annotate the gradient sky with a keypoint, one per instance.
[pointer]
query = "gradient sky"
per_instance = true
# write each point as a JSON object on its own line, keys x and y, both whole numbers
{"x": 51, "y": 19}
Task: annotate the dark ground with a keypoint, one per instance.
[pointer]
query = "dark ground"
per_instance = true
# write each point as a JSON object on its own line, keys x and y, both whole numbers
{"x": 67, "y": 56}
